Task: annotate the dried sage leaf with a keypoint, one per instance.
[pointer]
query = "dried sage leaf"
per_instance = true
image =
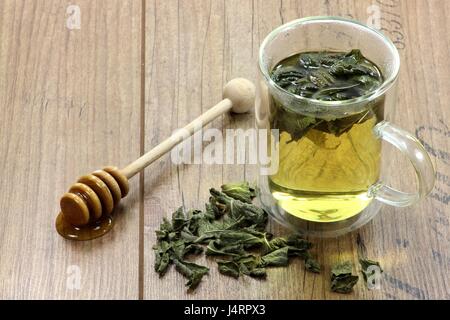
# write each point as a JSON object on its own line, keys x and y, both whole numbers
{"x": 342, "y": 280}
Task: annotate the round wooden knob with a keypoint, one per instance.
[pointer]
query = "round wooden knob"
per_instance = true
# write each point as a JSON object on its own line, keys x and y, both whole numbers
{"x": 241, "y": 92}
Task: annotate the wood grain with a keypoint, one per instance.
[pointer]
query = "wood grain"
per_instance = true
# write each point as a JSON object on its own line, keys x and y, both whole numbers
{"x": 69, "y": 105}
{"x": 210, "y": 43}
{"x": 72, "y": 101}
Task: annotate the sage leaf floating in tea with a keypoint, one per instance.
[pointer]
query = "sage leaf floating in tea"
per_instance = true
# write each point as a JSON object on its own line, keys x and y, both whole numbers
{"x": 327, "y": 76}
{"x": 342, "y": 280}
{"x": 323, "y": 76}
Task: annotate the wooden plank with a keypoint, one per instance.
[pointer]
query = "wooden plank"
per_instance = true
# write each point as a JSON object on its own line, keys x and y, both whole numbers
{"x": 200, "y": 46}
{"x": 69, "y": 101}
{"x": 415, "y": 243}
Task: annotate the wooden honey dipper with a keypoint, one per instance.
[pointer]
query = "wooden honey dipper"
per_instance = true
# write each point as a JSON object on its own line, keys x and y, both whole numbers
{"x": 86, "y": 209}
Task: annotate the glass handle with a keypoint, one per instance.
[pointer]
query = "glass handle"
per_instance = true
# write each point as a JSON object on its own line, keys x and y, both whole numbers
{"x": 413, "y": 149}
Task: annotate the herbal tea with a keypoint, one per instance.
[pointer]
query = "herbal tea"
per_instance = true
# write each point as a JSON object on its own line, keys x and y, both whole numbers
{"x": 326, "y": 166}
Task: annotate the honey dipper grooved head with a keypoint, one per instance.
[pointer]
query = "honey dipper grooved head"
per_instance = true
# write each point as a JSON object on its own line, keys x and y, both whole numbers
{"x": 93, "y": 195}
{"x": 101, "y": 190}
{"x": 111, "y": 183}
{"x": 120, "y": 178}
{"x": 90, "y": 198}
{"x": 74, "y": 209}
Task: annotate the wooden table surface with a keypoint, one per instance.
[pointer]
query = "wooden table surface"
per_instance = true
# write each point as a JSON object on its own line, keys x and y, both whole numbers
{"x": 75, "y": 99}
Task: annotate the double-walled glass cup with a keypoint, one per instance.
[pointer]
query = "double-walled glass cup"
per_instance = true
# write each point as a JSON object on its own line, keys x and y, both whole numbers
{"x": 326, "y": 183}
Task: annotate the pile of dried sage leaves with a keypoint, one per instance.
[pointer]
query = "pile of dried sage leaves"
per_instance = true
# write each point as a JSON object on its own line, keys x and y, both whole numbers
{"x": 233, "y": 229}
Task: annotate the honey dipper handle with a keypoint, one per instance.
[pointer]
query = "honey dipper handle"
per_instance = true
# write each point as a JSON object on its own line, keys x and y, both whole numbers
{"x": 177, "y": 137}
{"x": 238, "y": 96}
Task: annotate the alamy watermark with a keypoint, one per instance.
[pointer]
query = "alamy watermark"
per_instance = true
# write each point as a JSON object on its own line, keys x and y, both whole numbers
{"x": 237, "y": 146}
{"x": 373, "y": 273}
{"x": 73, "y": 280}
{"x": 73, "y": 20}
{"x": 374, "y": 20}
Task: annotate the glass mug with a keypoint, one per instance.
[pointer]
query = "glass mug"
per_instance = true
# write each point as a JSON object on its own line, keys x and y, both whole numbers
{"x": 327, "y": 184}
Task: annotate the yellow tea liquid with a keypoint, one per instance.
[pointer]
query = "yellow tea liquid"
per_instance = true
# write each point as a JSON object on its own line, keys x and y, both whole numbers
{"x": 323, "y": 177}
{"x": 328, "y": 164}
